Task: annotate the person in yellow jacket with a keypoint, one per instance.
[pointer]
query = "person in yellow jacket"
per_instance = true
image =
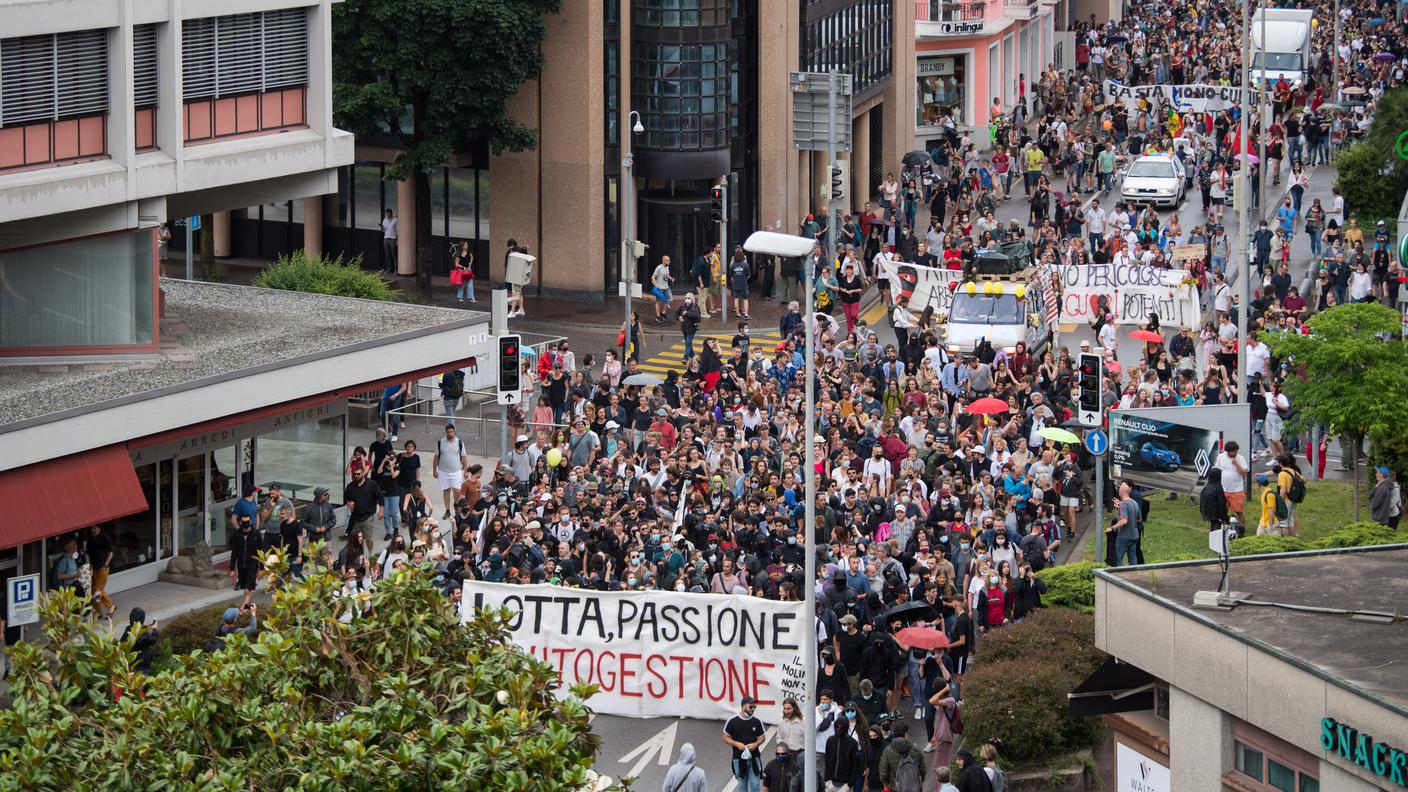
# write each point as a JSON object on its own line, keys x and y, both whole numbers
{"x": 1271, "y": 522}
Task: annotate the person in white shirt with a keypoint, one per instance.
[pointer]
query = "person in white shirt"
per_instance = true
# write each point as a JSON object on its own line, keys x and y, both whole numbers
{"x": 1277, "y": 405}
{"x": 1258, "y": 356}
{"x": 1095, "y": 224}
{"x": 388, "y": 241}
{"x": 660, "y": 281}
{"x": 876, "y": 473}
{"x": 1233, "y": 468}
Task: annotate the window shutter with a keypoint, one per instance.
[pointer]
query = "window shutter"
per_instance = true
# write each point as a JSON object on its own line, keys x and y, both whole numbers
{"x": 285, "y": 48}
{"x": 144, "y": 66}
{"x": 26, "y": 80}
{"x": 82, "y": 65}
{"x": 198, "y": 58}
{"x": 239, "y": 54}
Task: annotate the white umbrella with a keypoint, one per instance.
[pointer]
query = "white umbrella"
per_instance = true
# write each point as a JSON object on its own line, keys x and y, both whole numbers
{"x": 642, "y": 379}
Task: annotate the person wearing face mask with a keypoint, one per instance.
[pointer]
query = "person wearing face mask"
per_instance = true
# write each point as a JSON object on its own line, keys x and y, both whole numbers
{"x": 1002, "y": 550}
{"x": 843, "y": 763}
{"x": 962, "y": 557}
{"x": 777, "y": 776}
{"x": 745, "y": 735}
{"x": 993, "y": 602}
{"x": 832, "y": 675}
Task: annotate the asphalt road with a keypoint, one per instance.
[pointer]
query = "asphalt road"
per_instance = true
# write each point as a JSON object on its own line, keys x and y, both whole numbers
{"x": 645, "y": 749}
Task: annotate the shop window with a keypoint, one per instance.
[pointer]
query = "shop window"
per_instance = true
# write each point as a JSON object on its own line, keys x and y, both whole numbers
{"x": 302, "y": 457}
{"x": 1248, "y": 760}
{"x": 942, "y": 91}
{"x": 1308, "y": 784}
{"x": 134, "y": 540}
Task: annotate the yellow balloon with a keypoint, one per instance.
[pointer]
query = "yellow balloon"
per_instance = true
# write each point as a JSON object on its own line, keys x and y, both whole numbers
{"x": 991, "y": 288}
{"x": 554, "y": 457}
{"x": 970, "y": 288}
{"x": 1020, "y": 291}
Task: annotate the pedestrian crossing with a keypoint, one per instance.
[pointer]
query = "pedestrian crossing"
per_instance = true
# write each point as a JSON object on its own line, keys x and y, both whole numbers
{"x": 672, "y": 359}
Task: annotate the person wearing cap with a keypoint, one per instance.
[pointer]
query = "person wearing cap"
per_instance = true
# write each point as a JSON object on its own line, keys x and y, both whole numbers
{"x": 1271, "y": 500}
{"x": 231, "y": 615}
{"x": 245, "y": 546}
{"x": 319, "y": 516}
{"x": 745, "y": 734}
{"x": 582, "y": 444}
{"x": 1386, "y": 498}
{"x": 520, "y": 458}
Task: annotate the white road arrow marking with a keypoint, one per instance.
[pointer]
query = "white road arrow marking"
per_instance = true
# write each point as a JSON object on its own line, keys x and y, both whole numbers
{"x": 662, "y": 743}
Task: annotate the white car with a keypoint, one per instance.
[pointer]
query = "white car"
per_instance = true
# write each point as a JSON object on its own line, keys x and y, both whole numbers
{"x": 1156, "y": 179}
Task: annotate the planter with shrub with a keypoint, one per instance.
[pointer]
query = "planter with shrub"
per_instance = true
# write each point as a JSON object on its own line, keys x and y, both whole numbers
{"x": 319, "y": 275}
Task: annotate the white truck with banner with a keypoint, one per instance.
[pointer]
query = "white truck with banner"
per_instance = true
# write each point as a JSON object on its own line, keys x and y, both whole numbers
{"x": 657, "y": 653}
{"x": 1001, "y": 309}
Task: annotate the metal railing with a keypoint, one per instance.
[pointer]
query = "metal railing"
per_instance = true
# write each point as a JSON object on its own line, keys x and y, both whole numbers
{"x": 941, "y": 11}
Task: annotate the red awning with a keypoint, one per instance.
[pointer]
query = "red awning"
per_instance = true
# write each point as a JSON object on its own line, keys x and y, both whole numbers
{"x": 64, "y": 494}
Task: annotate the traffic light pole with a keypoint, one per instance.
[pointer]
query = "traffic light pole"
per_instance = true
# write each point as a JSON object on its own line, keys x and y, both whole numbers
{"x": 724, "y": 257}
{"x": 832, "y": 88}
{"x": 1099, "y": 509}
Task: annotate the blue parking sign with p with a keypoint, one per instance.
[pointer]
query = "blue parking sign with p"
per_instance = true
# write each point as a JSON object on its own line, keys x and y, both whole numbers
{"x": 22, "y": 598}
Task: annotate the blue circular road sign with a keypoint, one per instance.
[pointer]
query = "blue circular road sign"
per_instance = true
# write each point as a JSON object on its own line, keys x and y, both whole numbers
{"x": 1096, "y": 442}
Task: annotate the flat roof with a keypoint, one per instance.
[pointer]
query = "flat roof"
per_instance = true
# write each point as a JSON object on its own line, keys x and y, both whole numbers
{"x": 1368, "y": 656}
{"x": 212, "y": 332}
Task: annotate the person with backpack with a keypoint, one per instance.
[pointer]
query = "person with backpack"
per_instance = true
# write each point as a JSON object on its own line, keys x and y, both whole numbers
{"x": 902, "y": 764}
{"x": 1292, "y": 484}
{"x": 684, "y": 775}
{"x": 451, "y": 391}
{"x": 1273, "y": 507}
{"x": 971, "y": 775}
{"x": 995, "y": 774}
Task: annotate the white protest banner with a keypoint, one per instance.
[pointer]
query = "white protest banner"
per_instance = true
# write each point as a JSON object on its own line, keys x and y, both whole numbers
{"x": 1133, "y": 291}
{"x": 657, "y": 653}
{"x": 924, "y": 286}
{"x": 1198, "y": 98}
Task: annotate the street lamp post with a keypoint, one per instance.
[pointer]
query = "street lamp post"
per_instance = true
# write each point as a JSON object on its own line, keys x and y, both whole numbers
{"x": 1241, "y": 251}
{"x": 628, "y": 211}
{"x": 776, "y": 244}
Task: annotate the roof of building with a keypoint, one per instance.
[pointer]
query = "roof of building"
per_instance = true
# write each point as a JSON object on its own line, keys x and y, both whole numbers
{"x": 1367, "y": 655}
{"x": 213, "y": 331}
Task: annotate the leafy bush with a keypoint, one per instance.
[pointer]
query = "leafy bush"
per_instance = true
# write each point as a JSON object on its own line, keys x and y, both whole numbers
{"x": 319, "y": 275}
{"x": 1070, "y": 586}
{"x": 1360, "y": 534}
{"x": 1017, "y": 692}
{"x": 402, "y": 697}
{"x": 1260, "y": 545}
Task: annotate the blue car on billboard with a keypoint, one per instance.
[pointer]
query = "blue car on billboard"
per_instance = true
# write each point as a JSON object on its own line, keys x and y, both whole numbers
{"x": 1158, "y": 456}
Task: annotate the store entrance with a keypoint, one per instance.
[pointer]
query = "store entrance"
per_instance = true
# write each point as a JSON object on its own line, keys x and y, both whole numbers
{"x": 677, "y": 226}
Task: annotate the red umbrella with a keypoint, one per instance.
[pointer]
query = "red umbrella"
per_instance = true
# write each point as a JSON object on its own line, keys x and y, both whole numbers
{"x": 922, "y": 638}
{"x": 987, "y": 406}
{"x": 1147, "y": 335}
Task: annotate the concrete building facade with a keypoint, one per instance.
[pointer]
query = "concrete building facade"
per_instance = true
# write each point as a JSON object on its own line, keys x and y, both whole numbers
{"x": 1297, "y": 687}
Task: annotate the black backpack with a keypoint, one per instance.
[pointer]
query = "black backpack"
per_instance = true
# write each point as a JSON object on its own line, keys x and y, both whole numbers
{"x": 454, "y": 388}
{"x": 1296, "y": 492}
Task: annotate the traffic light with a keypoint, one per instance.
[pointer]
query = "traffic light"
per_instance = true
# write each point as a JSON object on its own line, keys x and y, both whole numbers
{"x": 838, "y": 181}
{"x": 509, "y": 371}
{"x": 716, "y": 204}
{"x": 1092, "y": 387}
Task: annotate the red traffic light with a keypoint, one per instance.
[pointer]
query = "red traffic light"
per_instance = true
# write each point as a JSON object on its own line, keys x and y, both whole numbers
{"x": 510, "y": 350}
{"x": 717, "y": 193}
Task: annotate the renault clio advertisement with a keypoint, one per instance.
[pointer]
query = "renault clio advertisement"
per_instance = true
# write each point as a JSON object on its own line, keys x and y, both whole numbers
{"x": 1161, "y": 454}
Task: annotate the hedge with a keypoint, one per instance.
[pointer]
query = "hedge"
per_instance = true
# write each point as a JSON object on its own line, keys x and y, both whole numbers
{"x": 1360, "y": 534}
{"x": 1070, "y": 586}
{"x": 1016, "y": 692}
{"x": 318, "y": 275}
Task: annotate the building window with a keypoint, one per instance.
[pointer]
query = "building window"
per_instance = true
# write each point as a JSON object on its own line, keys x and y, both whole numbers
{"x": 146, "y": 85}
{"x": 74, "y": 297}
{"x": 856, "y": 39}
{"x": 134, "y": 539}
{"x": 682, "y": 93}
{"x": 613, "y": 97}
{"x": 942, "y": 90}
{"x": 53, "y": 98}
{"x": 244, "y": 74}
{"x": 679, "y": 13}
{"x": 1248, "y": 760}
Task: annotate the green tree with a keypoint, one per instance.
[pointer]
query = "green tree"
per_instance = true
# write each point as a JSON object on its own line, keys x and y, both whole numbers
{"x": 1351, "y": 376}
{"x": 404, "y": 697}
{"x": 1370, "y": 174}
{"x": 436, "y": 77}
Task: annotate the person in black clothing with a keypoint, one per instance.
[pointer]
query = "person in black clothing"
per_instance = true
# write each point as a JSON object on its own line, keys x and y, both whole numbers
{"x": 364, "y": 501}
{"x": 142, "y": 645}
{"x": 293, "y": 533}
{"x": 843, "y": 761}
{"x": 1026, "y": 593}
{"x": 245, "y": 546}
{"x": 832, "y": 675}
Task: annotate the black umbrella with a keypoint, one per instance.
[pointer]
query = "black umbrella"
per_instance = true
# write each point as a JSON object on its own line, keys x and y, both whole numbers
{"x": 916, "y": 158}
{"x": 910, "y": 611}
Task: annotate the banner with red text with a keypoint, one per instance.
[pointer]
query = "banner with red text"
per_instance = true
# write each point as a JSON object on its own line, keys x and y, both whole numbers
{"x": 657, "y": 653}
{"x": 1131, "y": 292}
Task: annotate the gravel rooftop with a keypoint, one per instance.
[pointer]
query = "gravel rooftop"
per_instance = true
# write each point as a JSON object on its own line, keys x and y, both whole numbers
{"x": 212, "y": 330}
